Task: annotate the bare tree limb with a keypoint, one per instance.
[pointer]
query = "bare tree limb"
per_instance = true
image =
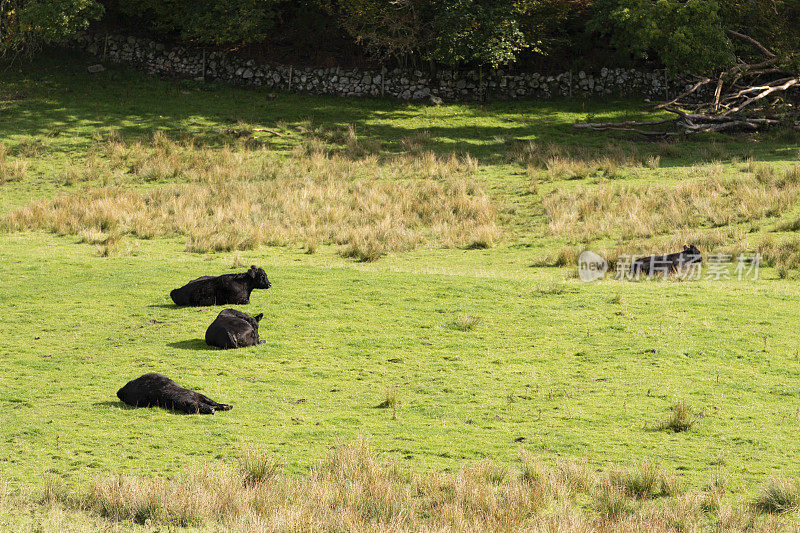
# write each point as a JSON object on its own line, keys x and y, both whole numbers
{"x": 767, "y": 92}
{"x": 752, "y": 41}
{"x": 743, "y": 98}
{"x": 685, "y": 94}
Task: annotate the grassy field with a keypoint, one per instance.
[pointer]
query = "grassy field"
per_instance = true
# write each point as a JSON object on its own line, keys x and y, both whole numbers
{"x": 452, "y": 330}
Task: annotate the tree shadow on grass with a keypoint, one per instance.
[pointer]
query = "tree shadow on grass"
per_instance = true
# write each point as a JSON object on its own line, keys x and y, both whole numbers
{"x": 63, "y": 101}
{"x": 191, "y": 344}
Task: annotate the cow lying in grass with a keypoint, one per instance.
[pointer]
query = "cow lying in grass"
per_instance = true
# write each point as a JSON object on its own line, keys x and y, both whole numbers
{"x": 155, "y": 390}
{"x": 233, "y": 329}
{"x": 221, "y": 290}
{"x": 655, "y": 265}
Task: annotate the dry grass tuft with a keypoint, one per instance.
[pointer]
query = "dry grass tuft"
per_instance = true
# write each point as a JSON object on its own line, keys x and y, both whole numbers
{"x": 564, "y": 256}
{"x": 11, "y": 170}
{"x": 625, "y": 212}
{"x": 778, "y": 495}
{"x": 416, "y": 142}
{"x": 578, "y": 162}
{"x": 681, "y": 418}
{"x": 783, "y": 255}
{"x": 392, "y": 400}
{"x": 613, "y": 503}
{"x": 238, "y": 199}
{"x": 466, "y": 322}
{"x": 643, "y": 480}
{"x": 257, "y": 467}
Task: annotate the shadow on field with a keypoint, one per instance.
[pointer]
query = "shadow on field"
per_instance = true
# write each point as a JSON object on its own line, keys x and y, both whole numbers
{"x": 163, "y": 306}
{"x": 117, "y": 404}
{"x": 191, "y": 344}
{"x": 126, "y": 407}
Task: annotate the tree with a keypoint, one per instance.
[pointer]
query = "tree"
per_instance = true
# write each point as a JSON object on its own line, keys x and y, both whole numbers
{"x": 682, "y": 35}
{"x": 27, "y": 24}
{"x": 450, "y": 32}
{"x": 695, "y": 35}
{"x": 397, "y": 28}
{"x": 209, "y": 21}
{"x": 476, "y": 31}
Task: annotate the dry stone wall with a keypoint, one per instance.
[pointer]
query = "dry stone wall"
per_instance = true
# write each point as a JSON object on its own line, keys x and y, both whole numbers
{"x": 451, "y": 85}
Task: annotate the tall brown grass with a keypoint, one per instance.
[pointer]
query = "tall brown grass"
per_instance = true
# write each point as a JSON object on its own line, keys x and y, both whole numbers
{"x": 577, "y": 162}
{"x": 625, "y": 212}
{"x": 240, "y": 198}
{"x": 11, "y": 169}
{"x": 355, "y": 489}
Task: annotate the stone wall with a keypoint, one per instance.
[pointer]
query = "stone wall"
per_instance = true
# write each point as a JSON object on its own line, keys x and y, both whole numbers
{"x": 156, "y": 58}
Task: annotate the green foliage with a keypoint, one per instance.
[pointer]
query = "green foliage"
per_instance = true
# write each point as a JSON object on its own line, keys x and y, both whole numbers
{"x": 772, "y": 22}
{"x": 447, "y": 31}
{"x": 209, "y": 21}
{"x": 384, "y": 28}
{"x": 680, "y": 34}
{"x": 26, "y": 24}
{"x": 683, "y": 35}
{"x": 480, "y": 31}
{"x": 557, "y": 26}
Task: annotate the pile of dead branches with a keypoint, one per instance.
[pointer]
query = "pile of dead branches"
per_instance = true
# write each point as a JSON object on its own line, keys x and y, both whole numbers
{"x": 747, "y": 97}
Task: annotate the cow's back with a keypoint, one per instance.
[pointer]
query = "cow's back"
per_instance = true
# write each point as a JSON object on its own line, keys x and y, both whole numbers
{"x": 231, "y": 331}
{"x": 200, "y": 291}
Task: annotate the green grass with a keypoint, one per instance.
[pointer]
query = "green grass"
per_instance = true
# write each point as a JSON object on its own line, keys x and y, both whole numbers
{"x": 485, "y": 353}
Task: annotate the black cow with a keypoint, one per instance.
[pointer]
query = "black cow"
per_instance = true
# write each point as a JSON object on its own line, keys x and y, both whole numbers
{"x": 667, "y": 263}
{"x": 233, "y": 329}
{"x": 221, "y": 290}
{"x": 155, "y": 390}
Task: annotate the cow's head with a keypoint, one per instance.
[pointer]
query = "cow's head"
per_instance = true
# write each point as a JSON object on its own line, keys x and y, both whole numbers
{"x": 259, "y": 278}
{"x": 692, "y": 254}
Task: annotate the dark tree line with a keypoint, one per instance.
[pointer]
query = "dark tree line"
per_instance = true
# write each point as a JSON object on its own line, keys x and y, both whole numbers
{"x": 682, "y": 35}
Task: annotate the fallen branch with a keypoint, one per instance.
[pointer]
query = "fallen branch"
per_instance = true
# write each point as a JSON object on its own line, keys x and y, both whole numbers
{"x": 742, "y": 98}
{"x": 269, "y": 131}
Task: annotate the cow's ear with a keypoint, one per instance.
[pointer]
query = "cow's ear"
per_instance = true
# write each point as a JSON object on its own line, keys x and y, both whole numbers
{"x": 685, "y": 247}
{"x": 259, "y": 316}
{"x": 252, "y": 271}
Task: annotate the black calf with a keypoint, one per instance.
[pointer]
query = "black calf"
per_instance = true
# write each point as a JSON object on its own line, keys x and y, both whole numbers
{"x": 233, "y": 329}
{"x": 667, "y": 263}
{"x": 221, "y": 290}
{"x": 155, "y": 390}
